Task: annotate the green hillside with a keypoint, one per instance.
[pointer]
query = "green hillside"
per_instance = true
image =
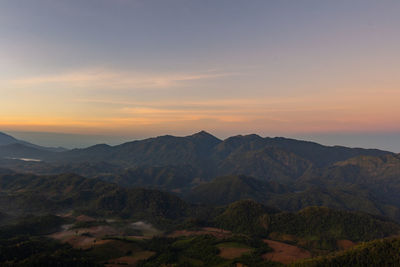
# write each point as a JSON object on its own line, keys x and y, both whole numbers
{"x": 168, "y": 178}
{"x": 313, "y": 227}
{"x": 30, "y": 193}
{"x": 338, "y": 177}
{"x": 336, "y": 224}
{"x": 269, "y": 163}
{"x": 228, "y": 189}
{"x": 376, "y": 253}
{"x": 245, "y": 216}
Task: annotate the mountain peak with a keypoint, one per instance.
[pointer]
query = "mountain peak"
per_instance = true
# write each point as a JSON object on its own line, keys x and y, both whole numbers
{"x": 204, "y": 135}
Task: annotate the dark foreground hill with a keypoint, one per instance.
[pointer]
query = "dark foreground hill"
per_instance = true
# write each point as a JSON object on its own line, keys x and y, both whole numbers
{"x": 21, "y": 194}
{"x": 383, "y": 252}
{"x": 379, "y": 174}
{"x": 228, "y": 189}
{"x": 195, "y": 242}
{"x": 313, "y": 227}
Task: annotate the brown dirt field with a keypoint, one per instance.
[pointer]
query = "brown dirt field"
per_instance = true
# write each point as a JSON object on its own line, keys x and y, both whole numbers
{"x": 96, "y": 231}
{"x": 102, "y": 241}
{"x": 102, "y": 230}
{"x": 75, "y": 238}
{"x": 218, "y": 233}
{"x": 85, "y": 218}
{"x": 285, "y": 253}
{"x": 65, "y": 214}
{"x": 68, "y": 189}
{"x": 130, "y": 260}
{"x": 83, "y": 242}
{"x": 219, "y": 230}
{"x": 141, "y": 237}
{"x": 232, "y": 253}
{"x": 345, "y": 244}
{"x": 283, "y": 237}
{"x": 63, "y": 234}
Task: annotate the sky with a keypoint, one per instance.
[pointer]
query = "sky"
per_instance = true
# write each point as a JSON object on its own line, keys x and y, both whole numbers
{"x": 78, "y": 72}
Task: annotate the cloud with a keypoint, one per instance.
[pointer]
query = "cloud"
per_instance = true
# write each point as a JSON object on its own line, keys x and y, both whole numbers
{"x": 101, "y": 78}
{"x": 120, "y": 112}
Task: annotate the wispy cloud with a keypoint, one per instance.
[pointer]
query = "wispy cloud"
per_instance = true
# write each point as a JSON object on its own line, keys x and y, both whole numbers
{"x": 317, "y": 112}
{"x": 102, "y": 78}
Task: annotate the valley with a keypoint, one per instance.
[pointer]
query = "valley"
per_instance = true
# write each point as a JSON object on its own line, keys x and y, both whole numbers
{"x": 198, "y": 201}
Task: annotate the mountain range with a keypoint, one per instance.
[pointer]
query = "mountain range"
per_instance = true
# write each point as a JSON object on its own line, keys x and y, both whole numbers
{"x": 205, "y": 196}
{"x": 285, "y": 173}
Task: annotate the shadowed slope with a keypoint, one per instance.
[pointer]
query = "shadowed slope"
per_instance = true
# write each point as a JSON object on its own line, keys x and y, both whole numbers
{"x": 228, "y": 189}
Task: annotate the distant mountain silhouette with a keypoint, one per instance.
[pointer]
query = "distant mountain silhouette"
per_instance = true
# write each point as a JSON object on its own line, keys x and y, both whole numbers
{"x": 7, "y": 140}
{"x": 18, "y": 150}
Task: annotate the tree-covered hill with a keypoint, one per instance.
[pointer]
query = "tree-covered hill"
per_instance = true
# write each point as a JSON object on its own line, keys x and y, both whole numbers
{"x": 228, "y": 189}
{"x": 384, "y": 252}
{"x": 338, "y": 177}
{"x": 170, "y": 178}
{"x": 269, "y": 163}
{"x": 292, "y": 174}
{"x": 159, "y": 151}
{"x": 352, "y": 198}
{"x": 21, "y": 193}
{"x": 264, "y": 158}
{"x": 313, "y": 227}
{"x": 377, "y": 176}
{"x": 331, "y": 223}
{"x": 245, "y": 216}
{"x": 317, "y": 229}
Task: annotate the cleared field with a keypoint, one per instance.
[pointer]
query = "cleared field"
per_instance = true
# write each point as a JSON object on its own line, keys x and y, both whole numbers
{"x": 232, "y": 245}
{"x": 130, "y": 260}
{"x": 232, "y": 250}
{"x": 85, "y": 218}
{"x": 218, "y": 233}
{"x": 85, "y": 237}
{"x": 285, "y": 253}
{"x": 345, "y": 244}
{"x": 110, "y": 251}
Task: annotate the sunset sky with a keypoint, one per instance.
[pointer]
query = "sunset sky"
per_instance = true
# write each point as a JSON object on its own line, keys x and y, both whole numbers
{"x": 117, "y": 70}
